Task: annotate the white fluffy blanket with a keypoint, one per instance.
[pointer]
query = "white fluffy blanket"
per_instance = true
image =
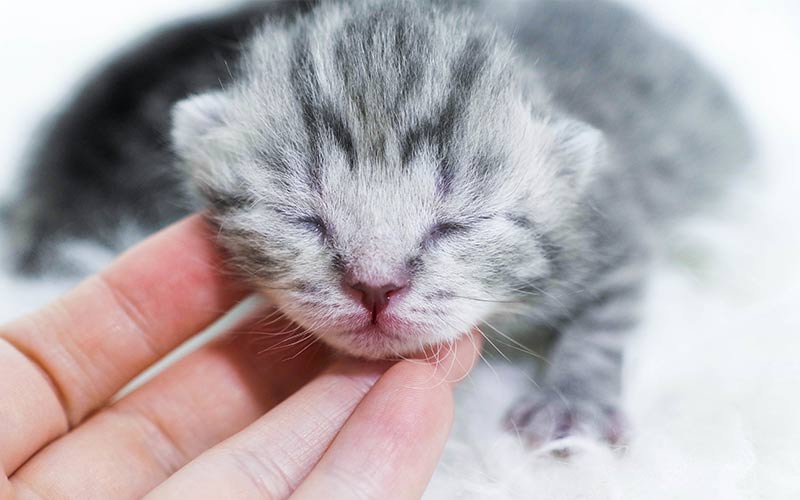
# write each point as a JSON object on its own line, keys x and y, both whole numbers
{"x": 713, "y": 377}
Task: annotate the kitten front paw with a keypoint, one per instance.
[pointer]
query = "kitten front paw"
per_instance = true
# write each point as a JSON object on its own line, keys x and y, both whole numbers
{"x": 548, "y": 416}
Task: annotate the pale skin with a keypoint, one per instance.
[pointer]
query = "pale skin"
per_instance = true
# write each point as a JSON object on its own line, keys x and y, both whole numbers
{"x": 234, "y": 419}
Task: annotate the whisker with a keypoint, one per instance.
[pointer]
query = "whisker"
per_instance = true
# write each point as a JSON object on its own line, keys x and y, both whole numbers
{"x": 455, "y": 360}
{"x": 290, "y": 340}
{"x": 311, "y": 332}
{"x": 541, "y": 292}
{"x": 304, "y": 349}
{"x": 516, "y": 344}
{"x": 480, "y": 299}
{"x": 480, "y": 354}
{"x": 501, "y": 353}
{"x": 270, "y": 319}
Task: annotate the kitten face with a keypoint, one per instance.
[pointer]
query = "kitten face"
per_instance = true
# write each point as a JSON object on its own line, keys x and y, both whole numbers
{"x": 378, "y": 173}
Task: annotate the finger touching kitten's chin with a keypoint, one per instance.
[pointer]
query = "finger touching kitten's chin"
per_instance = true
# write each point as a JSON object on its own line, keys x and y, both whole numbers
{"x": 367, "y": 346}
{"x": 376, "y": 342}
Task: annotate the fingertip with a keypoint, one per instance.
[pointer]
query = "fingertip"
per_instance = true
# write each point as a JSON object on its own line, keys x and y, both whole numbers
{"x": 413, "y": 395}
{"x": 453, "y": 362}
{"x": 392, "y": 442}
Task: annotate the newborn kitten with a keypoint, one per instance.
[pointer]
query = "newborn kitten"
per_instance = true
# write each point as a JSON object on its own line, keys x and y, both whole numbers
{"x": 393, "y": 173}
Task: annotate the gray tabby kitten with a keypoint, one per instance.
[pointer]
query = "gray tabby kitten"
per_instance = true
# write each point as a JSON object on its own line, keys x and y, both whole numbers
{"x": 393, "y": 173}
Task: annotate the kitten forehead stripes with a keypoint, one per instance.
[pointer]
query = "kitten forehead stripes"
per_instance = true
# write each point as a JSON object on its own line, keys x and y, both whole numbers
{"x": 318, "y": 116}
{"x": 380, "y": 63}
{"x": 438, "y": 132}
{"x": 398, "y": 43}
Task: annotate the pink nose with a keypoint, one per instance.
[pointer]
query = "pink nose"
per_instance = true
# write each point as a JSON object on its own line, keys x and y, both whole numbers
{"x": 376, "y": 297}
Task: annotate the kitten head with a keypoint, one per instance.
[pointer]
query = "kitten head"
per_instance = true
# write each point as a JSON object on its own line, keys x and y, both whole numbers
{"x": 380, "y": 172}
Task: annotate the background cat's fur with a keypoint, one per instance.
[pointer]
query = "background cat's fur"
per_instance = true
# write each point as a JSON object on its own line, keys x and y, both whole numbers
{"x": 106, "y": 159}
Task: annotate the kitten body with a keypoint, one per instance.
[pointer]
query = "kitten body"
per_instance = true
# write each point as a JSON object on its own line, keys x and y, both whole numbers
{"x": 393, "y": 173}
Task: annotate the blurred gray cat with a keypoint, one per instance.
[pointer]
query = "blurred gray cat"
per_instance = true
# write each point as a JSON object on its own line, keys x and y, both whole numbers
{"x": 393, "y": 173}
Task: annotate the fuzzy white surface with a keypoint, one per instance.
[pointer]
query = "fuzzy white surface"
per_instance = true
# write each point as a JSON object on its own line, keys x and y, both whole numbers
{"x": 713, "y": 376}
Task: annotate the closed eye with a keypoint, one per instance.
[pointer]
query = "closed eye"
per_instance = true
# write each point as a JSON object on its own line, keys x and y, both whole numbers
{"x": 445, "y": 230}
{"x": 314, "y": 224}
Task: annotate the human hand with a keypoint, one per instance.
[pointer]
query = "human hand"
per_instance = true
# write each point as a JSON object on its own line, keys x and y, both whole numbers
{"x": 240, "y": 418}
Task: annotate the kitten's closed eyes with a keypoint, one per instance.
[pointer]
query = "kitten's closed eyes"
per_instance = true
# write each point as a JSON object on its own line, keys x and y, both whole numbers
{"x": 314, "y": 224}
{"x": 445, "y": 229}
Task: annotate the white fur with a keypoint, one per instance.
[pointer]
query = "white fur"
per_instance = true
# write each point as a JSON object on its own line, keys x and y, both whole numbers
{"x": 713, "y": 377}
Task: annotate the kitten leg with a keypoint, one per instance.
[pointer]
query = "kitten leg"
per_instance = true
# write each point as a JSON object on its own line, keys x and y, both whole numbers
{"x": 581, "y": 394}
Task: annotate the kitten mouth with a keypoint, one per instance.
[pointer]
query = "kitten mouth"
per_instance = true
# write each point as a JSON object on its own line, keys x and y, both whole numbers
{"x": 381, "y": 326}
{"x": 389, "y": 337}
{"x": 375, "y": 331}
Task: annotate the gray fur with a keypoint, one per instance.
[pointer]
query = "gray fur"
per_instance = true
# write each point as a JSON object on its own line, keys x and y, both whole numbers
{"x": 514, "y": 167}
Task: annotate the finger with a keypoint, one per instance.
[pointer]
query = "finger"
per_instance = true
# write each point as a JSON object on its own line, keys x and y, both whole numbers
{"x": 142, "y": 439}
{"x": 392, "y": 442}
{"x": 270, "y": 458}
{"x": 62, "y": 362}
{"x": 5, "y": 488}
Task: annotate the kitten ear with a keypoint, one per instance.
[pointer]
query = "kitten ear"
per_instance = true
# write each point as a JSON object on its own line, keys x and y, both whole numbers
{"x": 199, "y": 125}
{"x": 195, "y": 117}
{"x": 581, "y": 149}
